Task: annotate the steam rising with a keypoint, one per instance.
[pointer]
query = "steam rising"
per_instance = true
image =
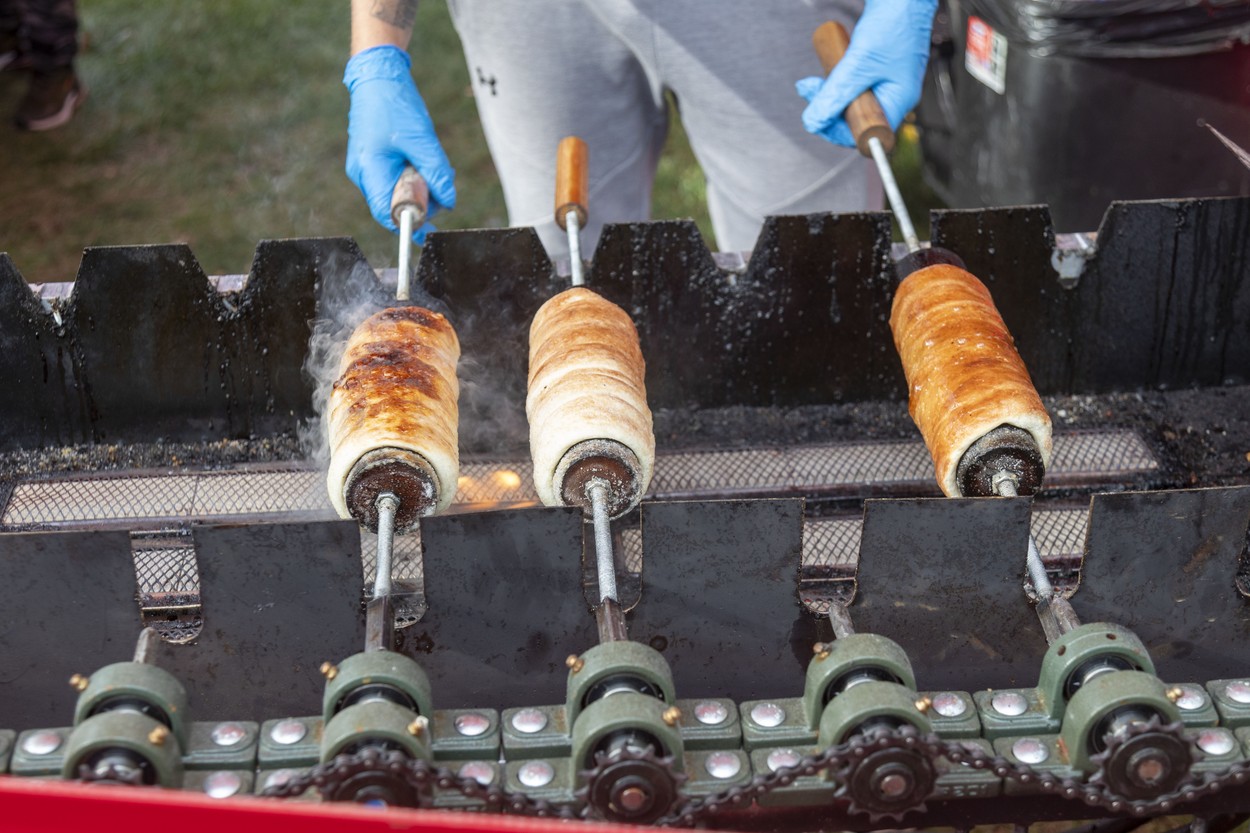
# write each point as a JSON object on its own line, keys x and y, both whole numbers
{"x": 491, "y": 370}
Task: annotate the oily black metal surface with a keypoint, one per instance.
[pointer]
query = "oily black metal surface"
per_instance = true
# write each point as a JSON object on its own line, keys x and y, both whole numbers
{"x": 148, "y": 349}
{"x": 67, "y": 606}
{"x": 492, "y": 281}
{"x": 505, "y": 607}
{"x": 943, "y": 578}
{"x": 720, "y": 596}
{"x": 1163, "y": 303}
{"x": 805, "y": 323}
{"x": 1164, "y": 565}
{"x": 278, "y": 600}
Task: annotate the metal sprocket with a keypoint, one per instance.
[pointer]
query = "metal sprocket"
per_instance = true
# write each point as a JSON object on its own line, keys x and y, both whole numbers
{"x": 634, "y": 786}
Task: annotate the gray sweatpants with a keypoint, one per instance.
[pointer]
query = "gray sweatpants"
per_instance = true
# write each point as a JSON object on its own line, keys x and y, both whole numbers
{"x": 599, "y": 69}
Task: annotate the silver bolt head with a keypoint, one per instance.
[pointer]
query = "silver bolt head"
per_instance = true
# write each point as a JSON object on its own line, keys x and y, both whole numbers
{"x": 288, "y": 732}
{"x": 472, "y": 724}
{"x": 1030, "y": 751}
{"x": 279, "y": 777}
{"x": 536, "y": 774}
{"x": 1192, "y": 698}
{"x": 1009, "y": 703}
{"x": 228, "y": 734}
{"x": 1238, "y": 691}
{"x": 222, "y": 784}
{"x": 1216, "y": 741}
{"x": 779, "y": 758}
{"x": 768, "y": 715}
{"x": 948, "y": 704}
{"x": 722, "y": 765}
{"x": 711, "y": 712}
{"x": 529, "y": 721}
{"x": 42, "y": 743}
{"x": 480, "y": 771}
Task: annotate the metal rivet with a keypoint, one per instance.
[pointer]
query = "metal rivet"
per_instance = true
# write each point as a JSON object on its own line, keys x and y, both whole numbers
{"x": 1009, "y": 703}
{"x": 723, "y": 765}
{"x": 222, "y": 784}
{"x": 574, "y": 663}
{"x": 1215, "y": 741}
{"x": 79, "y": 683}
{"x": 529, "y": 721}
{"x": 1191, "y": 698}
{"x": 158, "y": 735}
{"x": 671, "y": 716}
{"x": 329, "y": 670}
{"x": 1238, "y": 691}
{"x": 711, "y": 712}
{"x": 280, "y": 777}
{"x": 536, "y": 774}
{"x": 41, "y": 743}
{"x": 1030, "y": 751}
{"x": 782, "y": 757}
{"x": 768, "y": 715}
{"x": 472, "y": 724}
{"x": 228, "y": 734}
{"x": 418, "y": 726}
{"x": 287, "y": 732}
{"x": 949, "y": 704}
{"x": 479, "y": 771}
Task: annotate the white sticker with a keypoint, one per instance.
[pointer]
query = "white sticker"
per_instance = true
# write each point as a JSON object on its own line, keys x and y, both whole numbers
{"x": 986, "y": 55}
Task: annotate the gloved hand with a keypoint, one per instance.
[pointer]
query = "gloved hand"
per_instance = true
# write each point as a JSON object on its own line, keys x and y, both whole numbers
{"x": 888, "y": 52}
{"x": 388, "y": 127}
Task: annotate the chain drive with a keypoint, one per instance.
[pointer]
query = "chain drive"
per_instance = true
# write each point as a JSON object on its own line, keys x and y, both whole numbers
{"x": 839, "y": 760}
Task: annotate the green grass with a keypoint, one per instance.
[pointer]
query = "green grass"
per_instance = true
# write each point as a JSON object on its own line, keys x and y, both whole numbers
{"x": 220, "y": 124}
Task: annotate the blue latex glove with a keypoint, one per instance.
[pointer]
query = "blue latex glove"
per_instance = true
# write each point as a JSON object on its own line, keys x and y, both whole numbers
{"x": 888, "y": 52}
{"x": 388, "y": 127}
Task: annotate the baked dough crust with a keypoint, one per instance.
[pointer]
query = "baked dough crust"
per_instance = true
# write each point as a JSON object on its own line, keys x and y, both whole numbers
{"x": 586, "y": 382}
{"x": 397, "y": 388}
{"x": 963, "y": 372}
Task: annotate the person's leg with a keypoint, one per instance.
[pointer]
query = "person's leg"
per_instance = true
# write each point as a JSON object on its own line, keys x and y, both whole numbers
{"x": 732, "y": 65}
{"x": 51, "y": 31}
{"x": 10, "y": 33}
{"x": 545, "y": 69}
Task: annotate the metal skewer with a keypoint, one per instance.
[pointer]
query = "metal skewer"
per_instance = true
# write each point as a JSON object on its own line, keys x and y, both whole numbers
{"x": 379, "y": 613}
{"x": 409, "y": 205}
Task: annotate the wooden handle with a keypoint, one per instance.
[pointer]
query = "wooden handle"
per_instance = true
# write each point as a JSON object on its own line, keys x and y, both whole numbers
{"x": 864, "y": 114}
{"x": 572, "y": 180}
{"x": 410, "y": 191}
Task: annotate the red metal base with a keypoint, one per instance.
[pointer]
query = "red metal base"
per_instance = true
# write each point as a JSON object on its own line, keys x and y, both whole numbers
{"x": 30, "y": 805}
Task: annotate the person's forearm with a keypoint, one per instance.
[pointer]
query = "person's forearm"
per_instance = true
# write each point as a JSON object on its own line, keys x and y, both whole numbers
{"x": 382, "y": 22}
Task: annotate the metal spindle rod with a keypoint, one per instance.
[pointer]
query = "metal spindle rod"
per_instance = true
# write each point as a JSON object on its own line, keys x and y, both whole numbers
{"x": 1054, "y": 611}
{"x": 387, "y": 505}
{"x": 1006, "y": 487}
{"x": 605, "y": 564}
{"x": 406, "y": 217}
{"x": 894, "y": 195}
{"x": 145, "y": 647}
{"x": 573, "y": 226}
{"x": 840, "y": 618}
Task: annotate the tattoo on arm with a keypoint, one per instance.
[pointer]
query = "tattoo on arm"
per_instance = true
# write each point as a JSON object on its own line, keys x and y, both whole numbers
{"x": 399, "y": 13}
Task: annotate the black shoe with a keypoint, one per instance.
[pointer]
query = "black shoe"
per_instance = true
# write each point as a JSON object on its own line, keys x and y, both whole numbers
{"x": 51, "y": 101}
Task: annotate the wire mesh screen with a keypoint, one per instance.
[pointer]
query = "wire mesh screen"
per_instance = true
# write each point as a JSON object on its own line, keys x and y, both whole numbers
{"x": 133, "y": 499}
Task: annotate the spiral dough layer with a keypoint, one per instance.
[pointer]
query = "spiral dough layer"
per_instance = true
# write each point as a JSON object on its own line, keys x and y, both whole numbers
{"x": 586, "y": 382}
{"x": 963, "y": 372}
{"x": 397, "y": 389}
